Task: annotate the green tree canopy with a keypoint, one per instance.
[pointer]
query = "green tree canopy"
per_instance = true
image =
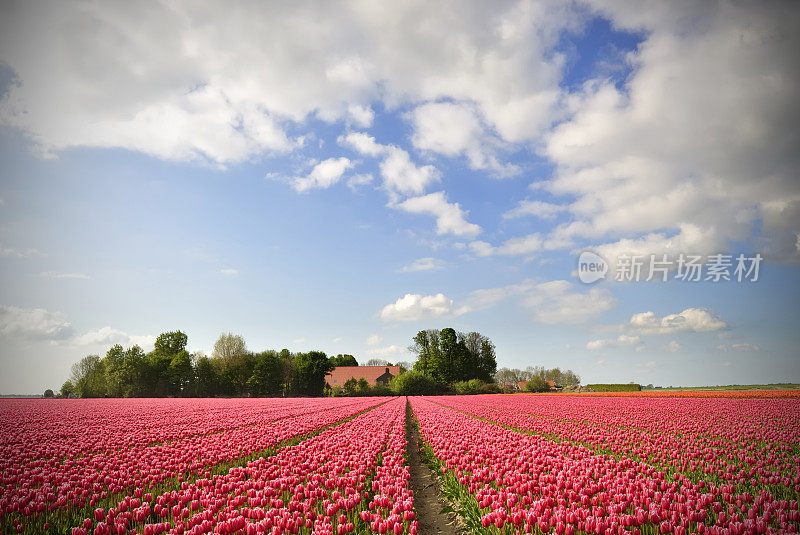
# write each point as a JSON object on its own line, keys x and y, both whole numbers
{"x": 311, "y": 369}
{"x": 448, "y": 357}
{"x": 343, "y": 360}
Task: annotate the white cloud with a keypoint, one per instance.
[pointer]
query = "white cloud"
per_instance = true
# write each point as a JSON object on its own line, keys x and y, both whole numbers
{"x": 745, "y": 348}
{"x": 542, "y": 210}
{"x": 108, "y": 336}
{"x": 522, "y": 245}
{"x": 374, "y": 339}
{"x": 416, "y": 307}
{"x": 324, "y": 174}
{"x": 182, "y": 81}
{"x": 228, "y": 271}
{"x": 18, "y": 253}
{"x": 454, "y": 129}
{"x": 700, "y": 142}
{"x": 363, "y": 144}
{"x": 551, "y": 302}
{"x": 450, "y": 218}
{"x": 359, "y": 180}
{"x": 33, "y": 323}
{"x": 424, "y": 264}
{"x": 400, "y": 174}
{"x": 388, "y": 351}
{"x": 361, "y": 115}
{"x": 337, "y": 339}
{"x": 673, "y": 347}
{"x": 620, "y": 341}
{"x": 58, "y": 275}
{"x": 690, "y": 320}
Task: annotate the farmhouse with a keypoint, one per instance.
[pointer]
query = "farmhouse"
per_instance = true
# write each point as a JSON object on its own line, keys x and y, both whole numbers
{"x": 373, "y": 374}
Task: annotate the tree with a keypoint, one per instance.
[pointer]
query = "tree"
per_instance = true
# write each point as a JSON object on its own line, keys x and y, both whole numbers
{"x": 570, "y": 378}
{"x": 426, "y": 347}
{"x": 124, "y": 371}
{"x": 171, "y": 343}
{"x": 229, "y": 346}
{"x": 49, "y": 393}
{"x": 181, "y": 373}
{"x": 67, "y": 389}
{"x": 205, "y": 378}
{"x": 378, "y": 362}
{"x": 311, "y": 369}
{"x": 343, "y": 360}
{"x": 537, "y": 384}
{"x": 448, "y": 357}
{"x": 267, "y": 376}
{"x": 88, "y": 376}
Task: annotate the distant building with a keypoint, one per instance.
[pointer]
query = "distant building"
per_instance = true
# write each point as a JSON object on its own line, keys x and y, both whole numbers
{"x": 511, "y": 387}
{"x": 373, "y": 374}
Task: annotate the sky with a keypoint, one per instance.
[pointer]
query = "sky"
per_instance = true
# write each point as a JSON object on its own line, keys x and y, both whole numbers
{"x": 339, "y": 176}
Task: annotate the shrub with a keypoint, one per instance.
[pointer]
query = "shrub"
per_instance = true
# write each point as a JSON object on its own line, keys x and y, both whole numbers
{"x": 413, "y": 383}
{"x": 473, "y": 386}
{"x": 537, "y": 384}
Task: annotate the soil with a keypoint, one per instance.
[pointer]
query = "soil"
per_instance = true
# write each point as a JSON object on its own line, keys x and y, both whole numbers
{"x": 428, "y": 500}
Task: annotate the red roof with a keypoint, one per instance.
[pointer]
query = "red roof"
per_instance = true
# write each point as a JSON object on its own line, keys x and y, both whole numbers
{"x": 341, "y": 374}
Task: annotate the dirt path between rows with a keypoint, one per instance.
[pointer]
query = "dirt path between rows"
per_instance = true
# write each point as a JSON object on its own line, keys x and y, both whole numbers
{"x": 428, "y": 500}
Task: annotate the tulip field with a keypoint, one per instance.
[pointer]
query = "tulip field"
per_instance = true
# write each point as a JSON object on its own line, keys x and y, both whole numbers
{"x": 711, "y": 463}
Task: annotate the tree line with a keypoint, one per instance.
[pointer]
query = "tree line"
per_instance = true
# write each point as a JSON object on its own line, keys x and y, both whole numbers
{"x": 170, "y": 370}
{"x": 447, "y": 361}
{"x": 537, "y": 377}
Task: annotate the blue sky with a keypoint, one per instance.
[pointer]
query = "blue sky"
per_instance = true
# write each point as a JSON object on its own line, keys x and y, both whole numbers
{"x": 338, "y": 177}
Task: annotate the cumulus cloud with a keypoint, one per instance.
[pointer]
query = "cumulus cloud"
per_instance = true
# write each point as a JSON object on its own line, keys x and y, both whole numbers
{"x": 551, "y": 302}
{"x": 450, "y": 218}
{"x": 108, "y": 336}
{"x": 673, "y": 347}
{"x": 690, "y": 320}
{"x": 33, "y": 323}
{"x": 455, "y": 129}
{"x": 363, "y": 144}
{"x": 399, "y": 173}
{"x": 416, "y": 307}
{"x": 620, "y": 341}
{"x": 423, "y": 264}
{"x": 324, "y": 174}
{"x": 181, "y": 81}
{"x": 700, "y": 142}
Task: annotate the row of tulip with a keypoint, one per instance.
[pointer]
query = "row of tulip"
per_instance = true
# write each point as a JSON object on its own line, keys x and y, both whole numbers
{"x": 109, "y": 425}
{"x": 54, "y": 490}
{"x": 750, "y": 443}
{"x": 511, "y": 482}
{"x": 350, "y": 478}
